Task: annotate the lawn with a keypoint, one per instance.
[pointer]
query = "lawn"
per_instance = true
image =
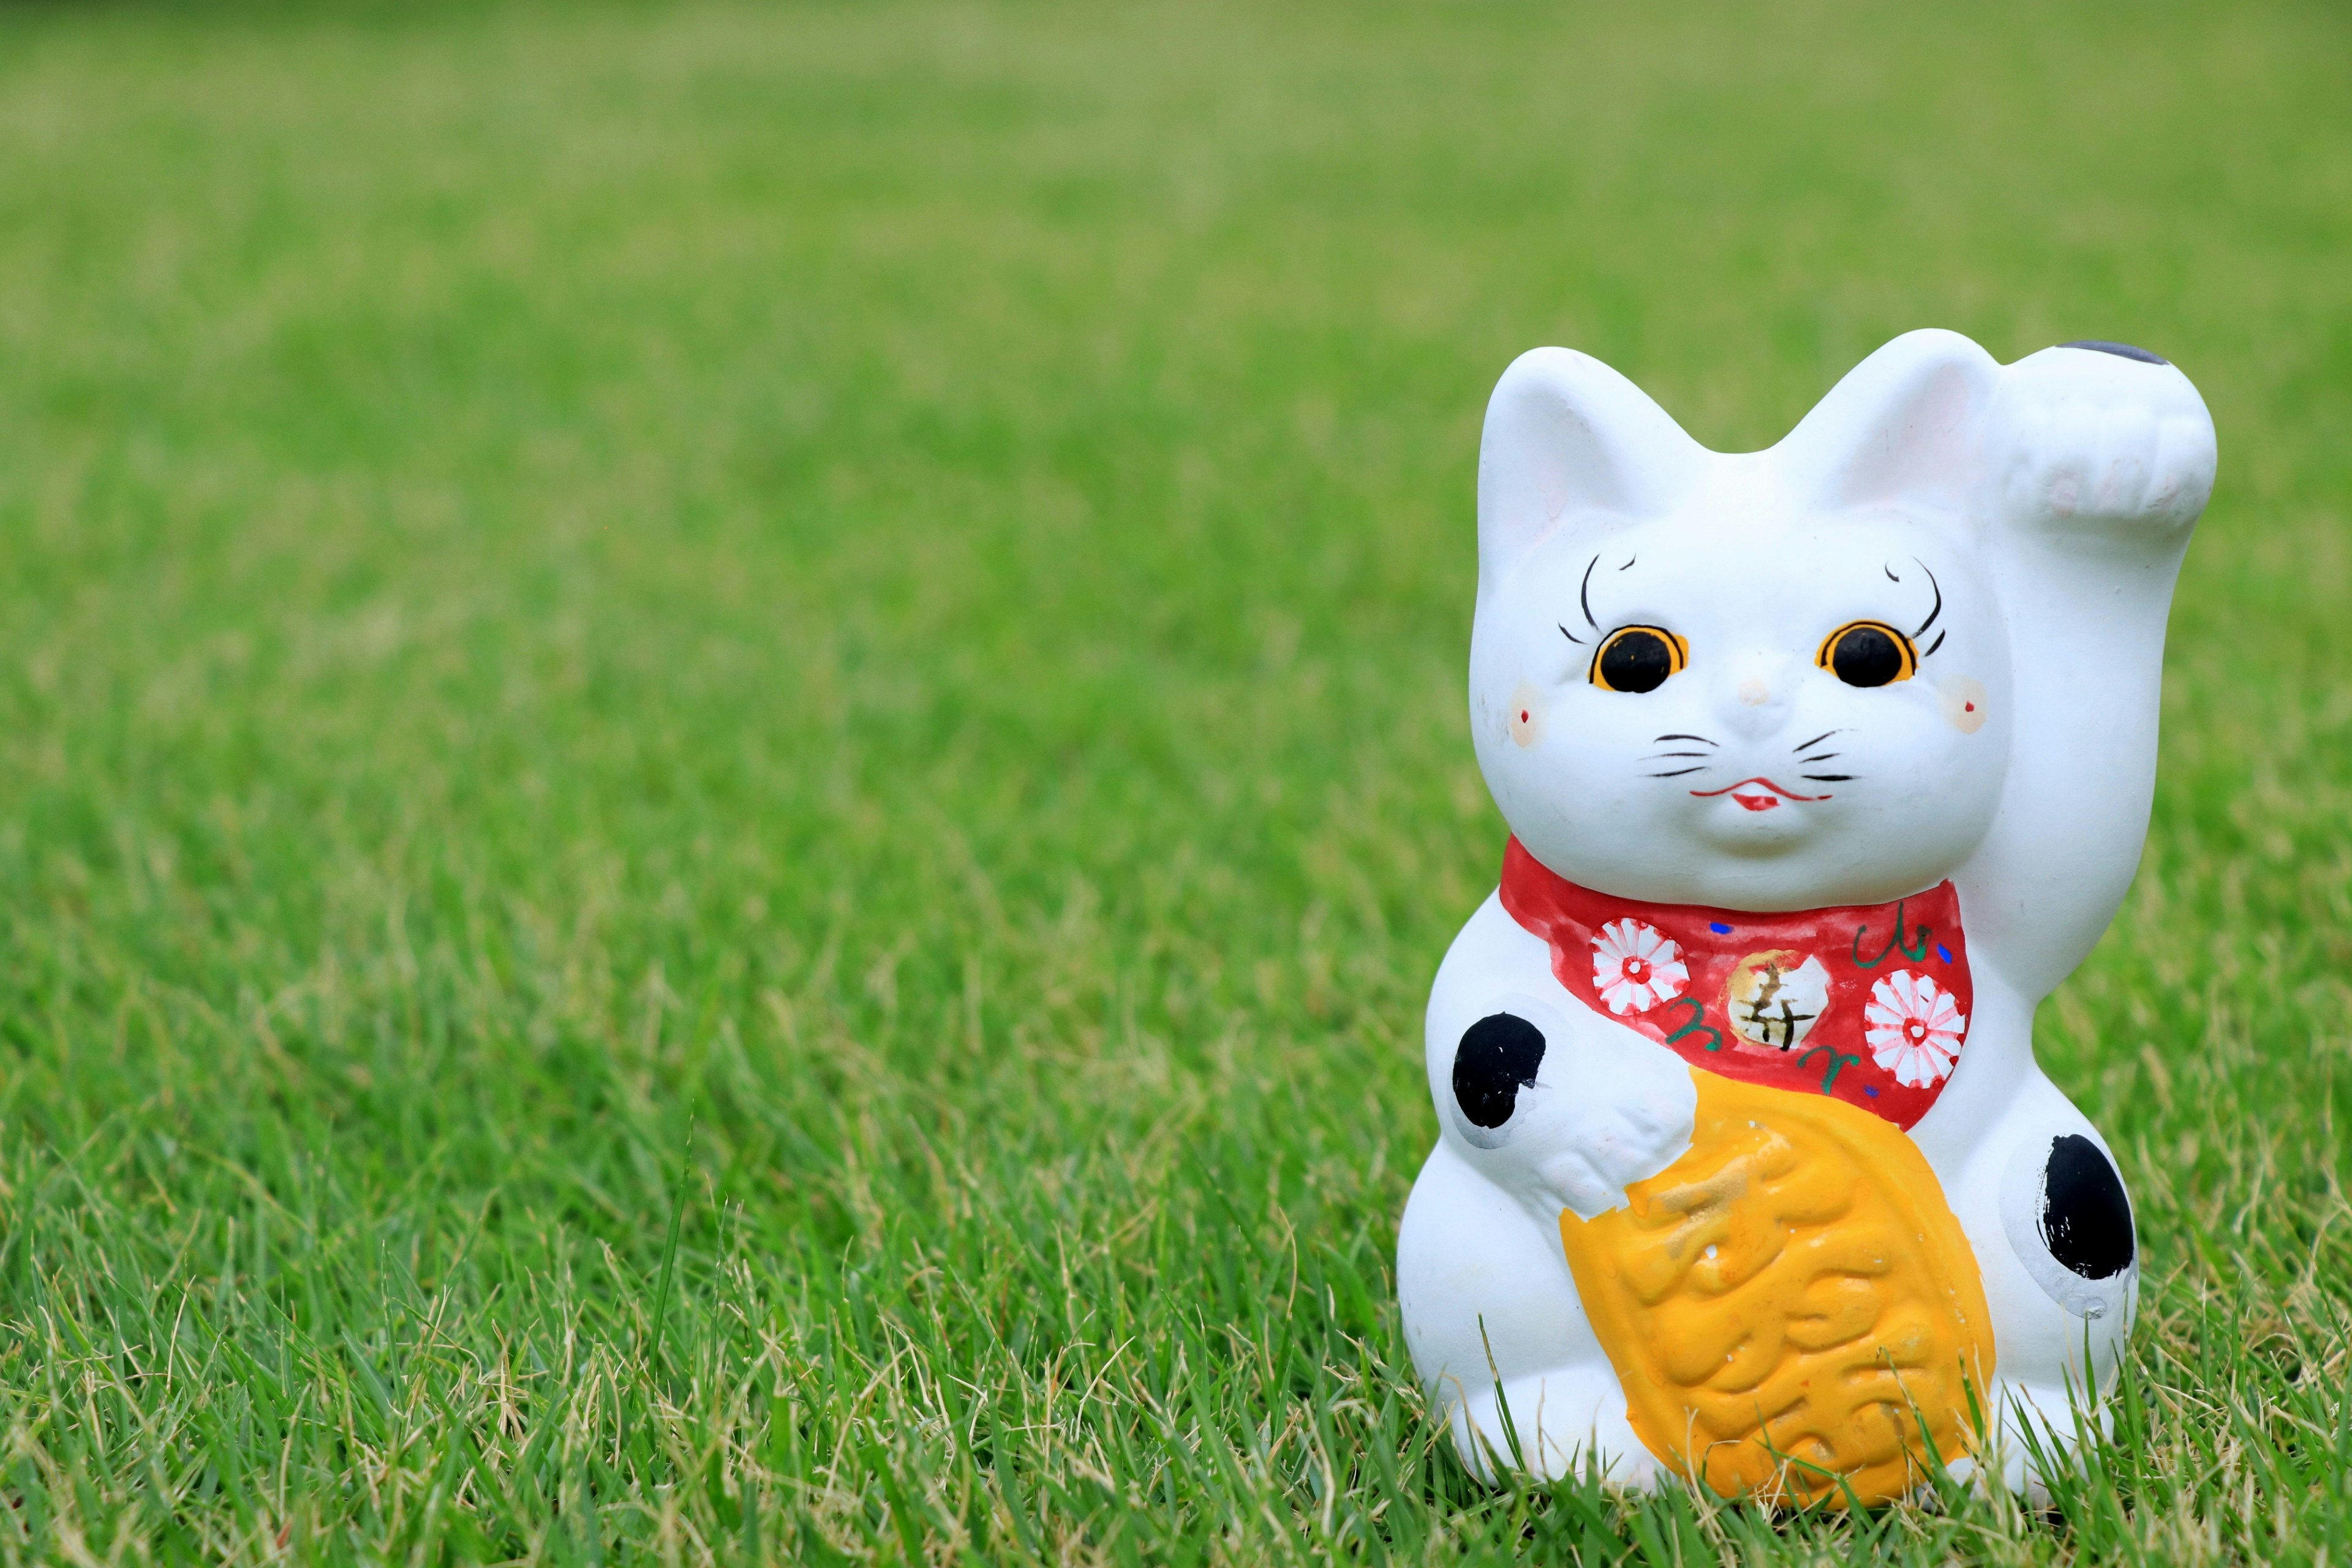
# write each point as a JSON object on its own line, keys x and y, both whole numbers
{"x": 732, "y": 750}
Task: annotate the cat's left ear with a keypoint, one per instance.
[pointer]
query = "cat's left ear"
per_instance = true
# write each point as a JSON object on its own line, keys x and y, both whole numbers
{"x": 1907, "y": 422}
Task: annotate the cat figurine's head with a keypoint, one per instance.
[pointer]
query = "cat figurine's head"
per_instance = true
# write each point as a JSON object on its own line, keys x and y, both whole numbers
{"x": 1769, "y": 680}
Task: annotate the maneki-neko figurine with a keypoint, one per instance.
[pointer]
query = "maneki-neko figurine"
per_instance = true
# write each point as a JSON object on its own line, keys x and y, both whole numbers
{"x": 1823, "y": 765}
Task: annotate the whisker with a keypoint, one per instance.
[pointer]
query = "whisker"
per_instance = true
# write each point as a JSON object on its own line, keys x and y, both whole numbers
{"x": 1661, "y": 756}
{"x": 1825, "y": 757}
{"x": 1703, "y": 741}
{"x": 1826, "y": 778}
{"x": 1679, "y": 773}
{"x": 1806, "y": 746}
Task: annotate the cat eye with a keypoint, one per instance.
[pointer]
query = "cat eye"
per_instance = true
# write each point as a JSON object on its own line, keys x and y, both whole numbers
{"x": 1868, "y": 653}
{"x": 1638, "y": 658}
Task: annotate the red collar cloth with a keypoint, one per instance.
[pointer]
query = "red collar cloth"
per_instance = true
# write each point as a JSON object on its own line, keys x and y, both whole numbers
{"x": 1868, "y": 1004}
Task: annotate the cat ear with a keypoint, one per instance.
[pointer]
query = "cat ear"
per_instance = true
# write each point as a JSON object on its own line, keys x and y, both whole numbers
{"x": 1566, "y": 436}
{"x": 1906, "y": 423}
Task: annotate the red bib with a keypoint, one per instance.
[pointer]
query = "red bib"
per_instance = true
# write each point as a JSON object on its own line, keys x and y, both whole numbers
{"x": 1868, "y": 1004}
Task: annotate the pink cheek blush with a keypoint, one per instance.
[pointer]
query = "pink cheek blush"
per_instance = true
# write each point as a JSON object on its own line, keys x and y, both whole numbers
{"x": 1964, "y": 704}
{"x": 1525, "y": 715}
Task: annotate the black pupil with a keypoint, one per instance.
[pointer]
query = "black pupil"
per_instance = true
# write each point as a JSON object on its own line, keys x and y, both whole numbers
{"x": 1636, "y": 661}
{"x": 1866, "y": 656}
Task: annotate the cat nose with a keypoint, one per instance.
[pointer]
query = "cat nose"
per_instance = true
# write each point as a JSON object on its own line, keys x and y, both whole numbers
{"x": 1754, "y": 699}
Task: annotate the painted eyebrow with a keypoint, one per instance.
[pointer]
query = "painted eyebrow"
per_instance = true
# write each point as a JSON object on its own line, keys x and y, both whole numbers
{"x": 1940, "y": 600}
{"x": 1921, "y": 630}
{"x": 1584, "y": 598}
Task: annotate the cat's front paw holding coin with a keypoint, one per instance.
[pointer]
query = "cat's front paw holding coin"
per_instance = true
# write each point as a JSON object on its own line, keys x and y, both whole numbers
{"x": 1562, "y": 1121}
{"x": 2091, "y": 434}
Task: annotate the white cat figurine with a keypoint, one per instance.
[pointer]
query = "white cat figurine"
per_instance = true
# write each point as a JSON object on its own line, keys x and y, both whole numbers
{"x": 1823, "y": 765}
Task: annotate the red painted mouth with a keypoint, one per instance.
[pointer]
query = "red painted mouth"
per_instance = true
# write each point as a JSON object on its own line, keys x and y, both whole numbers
{"x": 1756, "y": 795}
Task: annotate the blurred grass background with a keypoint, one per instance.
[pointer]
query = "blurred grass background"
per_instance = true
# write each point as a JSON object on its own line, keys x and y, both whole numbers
{"x": 731, "y": 745}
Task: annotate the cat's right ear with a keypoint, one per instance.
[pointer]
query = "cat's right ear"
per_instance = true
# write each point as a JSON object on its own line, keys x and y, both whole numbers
{"x": 1569, "y": 439}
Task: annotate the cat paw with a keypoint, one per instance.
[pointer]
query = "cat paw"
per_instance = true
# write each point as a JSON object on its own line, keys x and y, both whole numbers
{"x": 1565, "y": 1422}
{"x": 1562, "y": 1118}
{"x": 1602, "y": 1149}
{"x": 2094, "y": 434}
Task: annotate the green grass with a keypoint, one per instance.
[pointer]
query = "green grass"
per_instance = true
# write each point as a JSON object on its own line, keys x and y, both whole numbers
{"x": 731, "y": 745}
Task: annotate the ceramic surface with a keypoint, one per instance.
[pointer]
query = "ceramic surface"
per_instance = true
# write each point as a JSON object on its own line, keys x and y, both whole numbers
{"x": 1823, "y": 764}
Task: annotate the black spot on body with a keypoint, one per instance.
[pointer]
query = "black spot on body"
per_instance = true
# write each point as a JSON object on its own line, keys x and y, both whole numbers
{"x": 2121, "y": 351}
{"x": 1498, "y": 1057}
{"x": 2086, "y": 1218}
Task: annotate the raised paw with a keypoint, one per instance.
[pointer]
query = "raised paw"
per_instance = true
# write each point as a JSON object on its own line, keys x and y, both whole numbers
{"x": 2094, "y": 434}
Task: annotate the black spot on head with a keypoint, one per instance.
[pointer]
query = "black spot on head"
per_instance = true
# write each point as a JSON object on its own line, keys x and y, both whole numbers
{"x": 2122, "y": 351}
{"x": 2086, "y": 1218}
{"x": 1498, "y": 1057}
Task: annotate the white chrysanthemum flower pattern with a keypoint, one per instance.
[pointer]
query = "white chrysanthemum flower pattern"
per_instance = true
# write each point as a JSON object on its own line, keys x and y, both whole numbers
{"x": 1913, "y": 1028}
{"x": 1634, "y": 968}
